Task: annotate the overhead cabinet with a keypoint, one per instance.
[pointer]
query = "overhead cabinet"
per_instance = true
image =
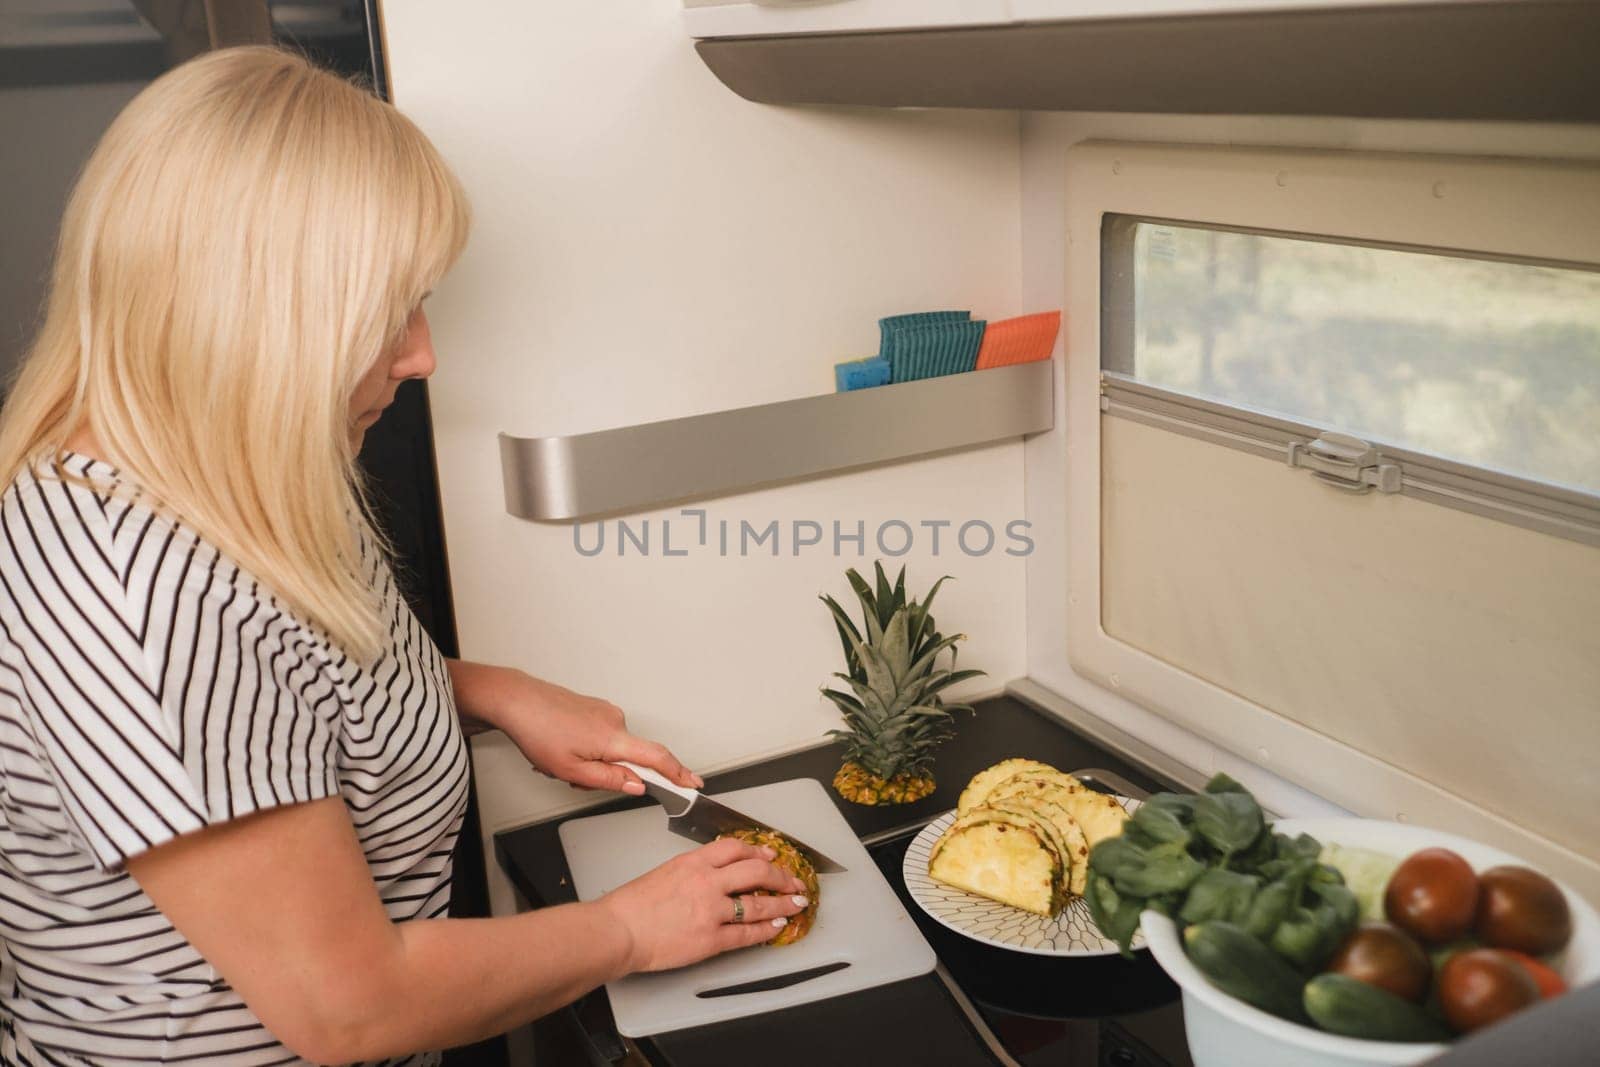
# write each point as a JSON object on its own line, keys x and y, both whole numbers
{"x": 755, "y": 18}
{"x": 1527, "y": 60}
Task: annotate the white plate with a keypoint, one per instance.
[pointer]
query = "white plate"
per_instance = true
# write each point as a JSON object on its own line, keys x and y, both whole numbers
{"x": 1072, "y": 933}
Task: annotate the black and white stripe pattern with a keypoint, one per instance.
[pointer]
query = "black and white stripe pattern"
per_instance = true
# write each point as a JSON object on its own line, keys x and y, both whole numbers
{"x": 148, "y": 688}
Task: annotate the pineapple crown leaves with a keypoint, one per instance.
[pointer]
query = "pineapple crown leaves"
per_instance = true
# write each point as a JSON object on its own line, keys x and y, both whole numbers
{"x": 893, "y": 709}
{"x": 879, "y": 607}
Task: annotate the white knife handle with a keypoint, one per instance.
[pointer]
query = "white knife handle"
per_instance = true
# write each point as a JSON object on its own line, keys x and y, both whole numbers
{"x": 660, "y": 781}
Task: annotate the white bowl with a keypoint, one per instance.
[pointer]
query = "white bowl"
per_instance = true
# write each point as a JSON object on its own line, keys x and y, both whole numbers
{"x": 1226, "y": 1032}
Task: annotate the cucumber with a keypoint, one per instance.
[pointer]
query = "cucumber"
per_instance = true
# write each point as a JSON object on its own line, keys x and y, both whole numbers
{"x": 1242, "y": 966}
{"x": 1343, "y": 1005}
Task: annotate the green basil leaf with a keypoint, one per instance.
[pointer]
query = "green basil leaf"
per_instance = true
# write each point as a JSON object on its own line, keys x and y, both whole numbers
{"x": 1298, "y": 873}
{"x": 1179, "y": 804}
{"x": 1299, "y": 939}
{"x": 1324, "y": 874}
{"x": 1123, "y": 924}
{"x": 1272, "y": 870}
{"x": 1341, "y": 901}
{"x": 1102, "y": 898}
{"x": 1151, "y": 872}
{"x": 1116, "y": 916}
{"x": 1230, "y": 822}
{"x": 1302, "y": 847}
{"x": 1136, "y": 834}
{"x": 1261, "y": 851}
{"x": 1115, "y": 854}
{"x": 1161, "y": 824}
{"x": 1219, "y": 894}
{"x": 1222, "y": 783}
{"x": 1167, "y": 904}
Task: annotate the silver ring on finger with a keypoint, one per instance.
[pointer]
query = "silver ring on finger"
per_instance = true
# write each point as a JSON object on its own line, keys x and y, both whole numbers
{"x": 738, "y": 909}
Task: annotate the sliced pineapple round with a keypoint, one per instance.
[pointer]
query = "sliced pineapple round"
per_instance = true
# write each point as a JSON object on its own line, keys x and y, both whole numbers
{"x": 1035, "y": 818}
{"x": 1071, "y": 840}
{"x": 1063, "y": 815}
{"x": 1029, "y": 821}
{"x": 1100, "y": 814}
{"x": 1057, "y": 785}
{"x": 985, "y": 780}
{"x": 1019, "y": 830}
{"x": 794, "y": 861}
{"x": 1003, "y": 862}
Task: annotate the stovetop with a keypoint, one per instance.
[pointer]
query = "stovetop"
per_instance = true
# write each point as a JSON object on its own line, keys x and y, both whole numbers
{"x": 983, "y": 1005}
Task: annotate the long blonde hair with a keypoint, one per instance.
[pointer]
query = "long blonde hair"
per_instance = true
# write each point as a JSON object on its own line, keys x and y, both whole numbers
{"x": 248, "y": 237}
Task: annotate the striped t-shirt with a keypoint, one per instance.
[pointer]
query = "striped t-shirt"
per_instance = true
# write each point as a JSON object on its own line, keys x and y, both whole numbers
{"x": 148, "y": 688}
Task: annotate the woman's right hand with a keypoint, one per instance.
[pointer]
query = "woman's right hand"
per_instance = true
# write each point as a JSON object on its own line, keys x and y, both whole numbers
{"x": 682, "y": 911}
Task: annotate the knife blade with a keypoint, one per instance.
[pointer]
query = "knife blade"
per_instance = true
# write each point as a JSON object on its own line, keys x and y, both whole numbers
{"x": 696, "y": 816}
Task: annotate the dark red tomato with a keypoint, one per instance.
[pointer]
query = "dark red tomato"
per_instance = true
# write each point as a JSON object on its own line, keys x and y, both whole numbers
{"x": 1549, "y": 982}
{"x": 1432, "y": 896}
{"x": 1387, "y": 957}
{"x": 1522, "y": 909}
{"x": 1483, "y": 986}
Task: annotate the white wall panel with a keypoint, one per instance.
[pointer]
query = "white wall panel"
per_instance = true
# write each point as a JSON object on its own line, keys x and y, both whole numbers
{"x": 648, "y": 245}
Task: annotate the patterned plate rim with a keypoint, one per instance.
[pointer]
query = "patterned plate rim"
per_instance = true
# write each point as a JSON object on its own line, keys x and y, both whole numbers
{"x": 928, "y": 893}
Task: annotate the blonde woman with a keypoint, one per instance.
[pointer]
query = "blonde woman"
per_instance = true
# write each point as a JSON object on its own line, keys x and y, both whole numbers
{"x": 231, "y": 771}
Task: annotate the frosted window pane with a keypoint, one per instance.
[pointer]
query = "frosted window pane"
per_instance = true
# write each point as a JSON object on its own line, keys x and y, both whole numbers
{"x": 1489, "y": 363}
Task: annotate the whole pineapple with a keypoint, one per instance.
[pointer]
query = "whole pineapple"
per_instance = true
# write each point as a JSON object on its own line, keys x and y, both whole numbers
{"x": 893, "y": 710}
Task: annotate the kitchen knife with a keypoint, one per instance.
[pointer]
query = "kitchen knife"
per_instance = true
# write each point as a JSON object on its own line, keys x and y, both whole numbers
{"x": 699, "y": 818}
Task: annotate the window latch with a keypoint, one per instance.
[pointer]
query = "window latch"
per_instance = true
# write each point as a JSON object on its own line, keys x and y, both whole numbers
{"x": 1346, "y": 462}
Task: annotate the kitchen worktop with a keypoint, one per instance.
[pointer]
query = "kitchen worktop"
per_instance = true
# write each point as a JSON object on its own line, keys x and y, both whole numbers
{"x": 1091, "y": 1011}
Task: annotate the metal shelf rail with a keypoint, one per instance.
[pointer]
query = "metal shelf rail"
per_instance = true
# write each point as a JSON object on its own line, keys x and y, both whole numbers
{"x": 631, "y": 468}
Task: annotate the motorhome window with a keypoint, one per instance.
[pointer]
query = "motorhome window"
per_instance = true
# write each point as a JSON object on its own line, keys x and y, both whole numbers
{"x": 1489, "y": 363}
{"x": 1332, "y": 486}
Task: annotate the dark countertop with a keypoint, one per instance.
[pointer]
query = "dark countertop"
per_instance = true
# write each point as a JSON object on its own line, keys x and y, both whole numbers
{"x": 915, "y": 1021}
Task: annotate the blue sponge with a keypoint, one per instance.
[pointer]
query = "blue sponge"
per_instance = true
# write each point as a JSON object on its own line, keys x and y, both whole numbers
{"x": 861, "y": 374}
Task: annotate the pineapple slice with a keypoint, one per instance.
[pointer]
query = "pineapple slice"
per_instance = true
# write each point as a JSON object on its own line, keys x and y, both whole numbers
{"x": 794, "y": 861}
{"x": 1049, "y": 781}
{"x": 1100, "y": 815}
{"x": 1001, "y": 861}
{"x": 1027, "y": 821}
{"x": 1071, "y": 841}
{"x": 1041, "y": 810}
{"x": 1031, "y": 819}
{"x": 986, "y": 780}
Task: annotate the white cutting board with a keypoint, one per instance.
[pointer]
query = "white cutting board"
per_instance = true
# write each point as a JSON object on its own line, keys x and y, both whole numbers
{"x": 860, "y": 920}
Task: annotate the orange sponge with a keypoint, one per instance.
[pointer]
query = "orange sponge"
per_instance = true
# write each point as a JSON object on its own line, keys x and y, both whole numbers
{"x": 1020, "y": 340}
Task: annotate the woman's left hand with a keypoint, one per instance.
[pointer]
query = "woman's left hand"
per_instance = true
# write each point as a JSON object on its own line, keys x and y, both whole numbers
{"x": 564, "y": 734}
